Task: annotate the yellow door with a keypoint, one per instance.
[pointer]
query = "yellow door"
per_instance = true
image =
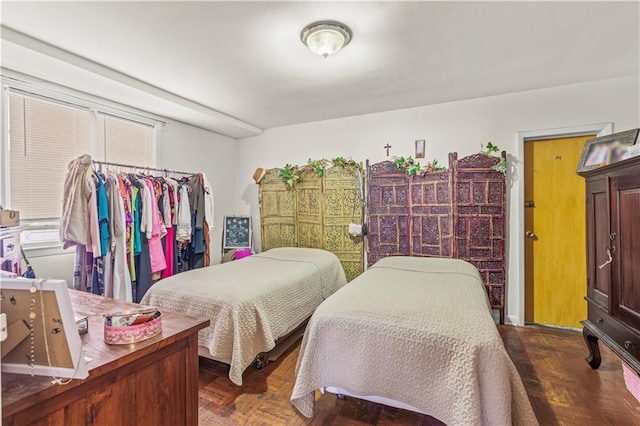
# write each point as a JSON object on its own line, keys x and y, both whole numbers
{"x": 555, "y": 253}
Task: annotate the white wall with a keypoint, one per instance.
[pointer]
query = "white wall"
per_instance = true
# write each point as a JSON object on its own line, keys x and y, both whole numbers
{"x": 183, "y": 148}
{"x": 457, "y": 126}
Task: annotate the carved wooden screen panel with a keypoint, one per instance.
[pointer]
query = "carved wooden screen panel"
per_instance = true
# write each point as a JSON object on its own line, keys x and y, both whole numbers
{"x": 431, "y": 214}
{"x": 277, "y": 214}
{"x": 342, "y": 206}
{"x": 480, "y": 222}
{"x": 456, "y": 213}
{"x": 387, "y": 212}
{"x": 309, "y": 210}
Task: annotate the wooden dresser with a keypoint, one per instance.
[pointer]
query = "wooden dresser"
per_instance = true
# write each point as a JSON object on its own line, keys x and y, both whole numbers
{"x": 613, "y": 261}
{"x": 154, "y": 382}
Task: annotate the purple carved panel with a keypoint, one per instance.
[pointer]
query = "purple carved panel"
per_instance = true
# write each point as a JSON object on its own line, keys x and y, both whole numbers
{"x": 430, "y": 251}
{"x": 385, "y": 167}
{"x": 420, "y": 210}
{"x": 388, "y": 229}
{"x": 491, "y": 210}
{"x": 477, "y": 161}
{"x": 479, "y": 253}
{"x": 402, "y": 195}
{"x": 496, "y": 277}
{"x": 440, "y": 210}
{"x": 498, "y": 227}
{"x": 388, "y": 195}
{"x": 397, "y": 211}
{"x": 498, "y": 249}
{"x": 445, "y": 225}
{"x": 373, "y": 245}
{"x": 496, "y": 192}
{"x": 461, "y": 248}
{"x": 461, "y": 228}
{"x": 479, "y": 193}
{"x": 375, "y": 197}
{"x": 468, "y": 210}
{"x": 443, "y": 192}
{"x": 479, "y": 232}
{"x": 403, "y": 246}
{"x": 429, "y": 194}
{"x": 430, "y": 230}
{"x": 463, "y": 192}
{"x": 427, "y": 216}
{"x": 416, "y": 195}
{"x": 446, "y": 247}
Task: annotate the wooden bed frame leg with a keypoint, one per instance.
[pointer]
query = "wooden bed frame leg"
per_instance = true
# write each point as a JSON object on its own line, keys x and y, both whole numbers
{"x": 591, "y": 339}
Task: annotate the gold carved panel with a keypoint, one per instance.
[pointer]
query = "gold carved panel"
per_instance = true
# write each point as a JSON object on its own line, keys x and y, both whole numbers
{"x": 277, "y": 212}
{"x": 315, "y": 213}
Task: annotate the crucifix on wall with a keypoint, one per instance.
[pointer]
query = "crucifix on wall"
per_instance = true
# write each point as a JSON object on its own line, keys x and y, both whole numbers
{"x": 387, "y": 146}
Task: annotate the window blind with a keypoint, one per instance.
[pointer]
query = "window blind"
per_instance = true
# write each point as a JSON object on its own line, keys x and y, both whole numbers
{"x": 124, "y": 141}
{"x": 43, "y": 138}
{"x": 45, "y": 135}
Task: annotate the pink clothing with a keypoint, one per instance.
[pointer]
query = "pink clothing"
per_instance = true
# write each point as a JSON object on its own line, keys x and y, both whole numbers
{"x": 93, "y": 245}
{"x": 169, "y": 242}
{"x": 168, "y": 245}
{"x": 156, "y": 254}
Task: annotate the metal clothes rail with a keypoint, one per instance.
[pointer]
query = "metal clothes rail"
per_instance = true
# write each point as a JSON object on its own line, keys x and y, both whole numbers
{"x": 129, "y": 166}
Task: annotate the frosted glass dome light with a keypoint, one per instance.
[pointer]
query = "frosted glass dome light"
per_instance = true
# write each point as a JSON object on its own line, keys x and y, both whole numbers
{"x": 325, "y": 38}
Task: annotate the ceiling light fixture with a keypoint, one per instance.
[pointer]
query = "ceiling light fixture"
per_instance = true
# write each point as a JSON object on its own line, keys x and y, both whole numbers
{"x": 325, "y": 38}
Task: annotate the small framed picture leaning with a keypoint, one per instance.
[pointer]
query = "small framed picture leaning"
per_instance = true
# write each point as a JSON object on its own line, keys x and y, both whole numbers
{"x": 605, "y": 150}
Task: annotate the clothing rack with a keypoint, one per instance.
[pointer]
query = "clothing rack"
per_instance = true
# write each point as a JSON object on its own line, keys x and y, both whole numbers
{"x": 129, "y": 166}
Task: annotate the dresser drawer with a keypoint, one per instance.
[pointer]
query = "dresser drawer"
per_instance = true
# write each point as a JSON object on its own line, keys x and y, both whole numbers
{"x": 624, "y": 337}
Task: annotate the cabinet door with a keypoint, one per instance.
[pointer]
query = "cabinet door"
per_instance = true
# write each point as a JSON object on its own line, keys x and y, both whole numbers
{"x": 598, "y": 242}
{"x": 625, "y": 221}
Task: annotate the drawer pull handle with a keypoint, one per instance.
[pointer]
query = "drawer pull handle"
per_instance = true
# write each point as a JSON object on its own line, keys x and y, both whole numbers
{"x": 627, "y": 344}
{"x": 599, "y": 320}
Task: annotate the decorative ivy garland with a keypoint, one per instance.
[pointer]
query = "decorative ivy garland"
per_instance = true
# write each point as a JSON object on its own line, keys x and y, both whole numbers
{"x": 489, "y": 151}
{"x": 413, "y": 168}
{"x": 291, "y": 174}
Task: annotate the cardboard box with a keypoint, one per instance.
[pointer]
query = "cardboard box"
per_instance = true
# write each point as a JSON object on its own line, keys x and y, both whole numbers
{"x": 9, "y": 218}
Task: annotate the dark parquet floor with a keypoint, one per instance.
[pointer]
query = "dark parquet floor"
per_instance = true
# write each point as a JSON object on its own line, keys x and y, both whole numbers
{"x": 562, "y": 388}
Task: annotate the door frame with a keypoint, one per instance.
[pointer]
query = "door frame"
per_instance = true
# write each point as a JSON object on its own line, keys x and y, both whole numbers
{"x": 600, "y": 129}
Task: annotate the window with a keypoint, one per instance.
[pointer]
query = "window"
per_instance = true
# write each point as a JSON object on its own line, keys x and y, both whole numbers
{"x": 43, "y": 135}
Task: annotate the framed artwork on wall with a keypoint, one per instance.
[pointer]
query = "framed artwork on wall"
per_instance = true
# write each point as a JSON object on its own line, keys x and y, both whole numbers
{"x": 420, "y": 148}
{"x": 608, "y": 149}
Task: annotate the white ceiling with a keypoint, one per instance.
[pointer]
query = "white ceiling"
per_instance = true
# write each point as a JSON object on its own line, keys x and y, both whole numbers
{"x": 237, "y": 68}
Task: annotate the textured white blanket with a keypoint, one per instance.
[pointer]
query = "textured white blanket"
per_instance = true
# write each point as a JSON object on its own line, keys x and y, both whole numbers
{"x": 418, "y": 331}
{"x": 251, "y": 302}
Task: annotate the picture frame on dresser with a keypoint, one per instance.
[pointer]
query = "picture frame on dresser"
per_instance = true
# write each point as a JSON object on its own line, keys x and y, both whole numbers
{"x": 43, "y": 337}
{"x": 605, "y": 150}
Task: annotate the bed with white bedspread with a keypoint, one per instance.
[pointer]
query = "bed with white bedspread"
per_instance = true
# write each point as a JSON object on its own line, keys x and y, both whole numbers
{"x": 419, "y": 332}
{"x": 251, "y": 302}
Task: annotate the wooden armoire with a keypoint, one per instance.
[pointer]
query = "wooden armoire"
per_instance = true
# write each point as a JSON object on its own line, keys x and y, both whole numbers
{"x": 613, "y": 261}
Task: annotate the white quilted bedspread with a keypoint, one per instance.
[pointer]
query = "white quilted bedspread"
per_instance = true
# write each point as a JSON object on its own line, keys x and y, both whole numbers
{"x": 418, "y": 331}
{"x": 251, "y": 302}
